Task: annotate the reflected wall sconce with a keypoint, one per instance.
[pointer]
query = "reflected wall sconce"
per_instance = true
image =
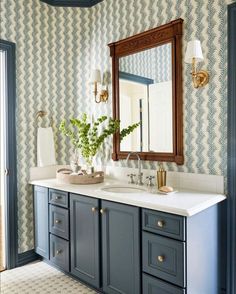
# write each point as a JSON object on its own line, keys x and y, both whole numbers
{"x": 194, "y": 55}
{"x": 102, "y": 95}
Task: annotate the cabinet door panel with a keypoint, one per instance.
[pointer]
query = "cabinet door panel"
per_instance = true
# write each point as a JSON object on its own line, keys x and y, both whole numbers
{"x": 164, "y": 258}
{"x": 120, "y": 248}
{"x": 59, "y": 221}
{"x": 153, "y": 286}
{"x": 166, "y": 224}
{"x": 59, "y": 252}
{"x": 85, "y": 238}
{"x": 41, "y": 221}
{"x": 59, "y": 198}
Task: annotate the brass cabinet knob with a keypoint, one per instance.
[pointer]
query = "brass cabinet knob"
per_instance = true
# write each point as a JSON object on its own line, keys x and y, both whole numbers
{"x": 57, "y": 221}
{"x": 160, "y": 223}
{"x": 94, "y": 209}
{"x": 160, "y": 258}
{"x": 102, "y": 210}
{"x": 59, "y": 251}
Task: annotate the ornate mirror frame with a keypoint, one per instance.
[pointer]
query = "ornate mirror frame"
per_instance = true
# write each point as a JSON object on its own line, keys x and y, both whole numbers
{"x": 168, "y": 33}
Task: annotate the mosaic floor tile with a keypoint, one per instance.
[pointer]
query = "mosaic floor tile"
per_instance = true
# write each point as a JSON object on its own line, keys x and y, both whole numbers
{"x": 39, "y": 278}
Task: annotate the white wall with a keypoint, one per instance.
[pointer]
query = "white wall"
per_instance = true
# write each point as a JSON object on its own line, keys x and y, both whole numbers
{"x": 160, "y": 111}
{"x": 130, "y": 94}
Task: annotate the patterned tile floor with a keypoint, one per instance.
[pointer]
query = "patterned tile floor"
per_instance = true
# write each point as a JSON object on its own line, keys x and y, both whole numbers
{"x": 39, "y": 278}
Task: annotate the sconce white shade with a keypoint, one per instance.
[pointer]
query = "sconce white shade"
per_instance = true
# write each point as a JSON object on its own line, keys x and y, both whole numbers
{"x": 96, "y": 76}
{"x": 194, "y": 50}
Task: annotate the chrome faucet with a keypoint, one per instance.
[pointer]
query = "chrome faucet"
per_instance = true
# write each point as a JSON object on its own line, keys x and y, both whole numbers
{"x": 140, "y": 174}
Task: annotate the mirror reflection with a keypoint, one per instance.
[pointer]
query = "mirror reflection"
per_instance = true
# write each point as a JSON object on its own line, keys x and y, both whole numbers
{"x": 145, "y": 87}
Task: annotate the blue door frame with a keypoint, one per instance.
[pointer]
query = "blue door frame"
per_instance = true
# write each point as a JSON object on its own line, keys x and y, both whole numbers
{"x": 11, "y": 178}
{"x": 231, "y": 199}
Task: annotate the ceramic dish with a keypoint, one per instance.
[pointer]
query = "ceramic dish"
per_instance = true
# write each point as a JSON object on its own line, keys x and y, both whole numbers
{"x": 166, "y": 193}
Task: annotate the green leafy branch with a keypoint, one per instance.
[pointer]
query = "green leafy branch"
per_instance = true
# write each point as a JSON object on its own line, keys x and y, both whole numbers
{"x": 88, "y": 137}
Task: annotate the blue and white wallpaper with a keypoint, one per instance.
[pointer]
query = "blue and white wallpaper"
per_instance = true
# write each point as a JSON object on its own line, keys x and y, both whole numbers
{"x": 56, "y": 49}
{"x": 153, "y": 63}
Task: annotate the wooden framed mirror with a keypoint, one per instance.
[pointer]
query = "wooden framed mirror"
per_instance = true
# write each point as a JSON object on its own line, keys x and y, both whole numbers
{"x": 147, "y": 88}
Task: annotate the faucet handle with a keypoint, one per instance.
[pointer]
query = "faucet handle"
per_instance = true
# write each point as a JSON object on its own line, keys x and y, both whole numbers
{"x": 131, "y": 178}
{"x": 150, "y": 178}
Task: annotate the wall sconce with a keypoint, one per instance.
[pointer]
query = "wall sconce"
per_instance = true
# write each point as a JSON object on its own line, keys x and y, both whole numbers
{"x": 102, "y": 95}
{"x": 193, "y": 55}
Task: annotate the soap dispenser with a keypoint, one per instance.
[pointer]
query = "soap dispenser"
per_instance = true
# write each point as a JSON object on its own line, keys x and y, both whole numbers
{"x": 161, "y": 176}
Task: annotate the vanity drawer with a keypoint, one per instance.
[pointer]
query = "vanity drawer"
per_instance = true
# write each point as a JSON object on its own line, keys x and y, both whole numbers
{"x": 59, "y": 252}
{"x": 59, "y": 221}
{"x": 164, "y": 258}
{"x": 59, "y": 198}
{"x": 153, "y": 285}
{"x": 165, "y": 224}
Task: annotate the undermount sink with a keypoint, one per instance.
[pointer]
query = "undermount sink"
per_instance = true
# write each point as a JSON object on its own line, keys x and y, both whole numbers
{"x": 123, "y": 189}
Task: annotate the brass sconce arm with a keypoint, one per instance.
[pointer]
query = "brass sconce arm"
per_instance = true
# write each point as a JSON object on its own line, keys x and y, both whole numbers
{"x": 95, "y": 89}
{"x": 200, "y": 78}
{"x": 101, "y": 95}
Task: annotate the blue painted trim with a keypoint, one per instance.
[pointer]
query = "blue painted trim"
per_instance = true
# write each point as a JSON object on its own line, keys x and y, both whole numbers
{"x": 26, "y": 257}
{"x": 11, "y": 200}
{"x": 72, "y": 3}
{"x": 231, "y": 222}
{"x": 135, "y": 78}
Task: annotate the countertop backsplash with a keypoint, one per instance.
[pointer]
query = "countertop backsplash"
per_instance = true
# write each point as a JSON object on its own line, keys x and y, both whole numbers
{"x": 189, "y": 181}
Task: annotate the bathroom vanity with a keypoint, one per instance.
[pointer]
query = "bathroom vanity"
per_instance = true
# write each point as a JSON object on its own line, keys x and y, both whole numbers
{"x": 129, "y": 243}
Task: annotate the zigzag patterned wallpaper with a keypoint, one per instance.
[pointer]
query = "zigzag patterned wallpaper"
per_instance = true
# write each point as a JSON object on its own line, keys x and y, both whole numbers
{"x": 204, "y": 109}
{"x": 48, "y": 42}
{"x": 58, "y": 47}
{"x": 154, "y": 63}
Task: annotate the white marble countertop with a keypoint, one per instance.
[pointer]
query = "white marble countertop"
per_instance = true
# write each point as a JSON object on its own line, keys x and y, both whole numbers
{"x": 183, "y": 202}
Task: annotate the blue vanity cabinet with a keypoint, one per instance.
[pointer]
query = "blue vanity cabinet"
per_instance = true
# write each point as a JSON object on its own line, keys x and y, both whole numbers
{"x": 181, "y": 254}
{"x": 59, "y": 229}
{"x": 120, "y": 248}
{"x": 99, "y": 242}
{"x": 59, "y": 252}
{"x": 84, "y": 224}
{"x": 59, "y": 221}
{"x": 59, "y": 198}
{"x": 41, "y": 221}
{"x": 152, "y": 285}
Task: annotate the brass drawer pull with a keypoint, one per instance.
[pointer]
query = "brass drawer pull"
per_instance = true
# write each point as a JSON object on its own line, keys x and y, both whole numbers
{"x": 160, "y": 258}
{"x": 102, "y": 210}
{"x": 57, "y": 221}
{"x": 57, "y": 197}
{"x": 160, "y": 223}
{"x": 94, "y": 209}
{"x": 59, "y": 251}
